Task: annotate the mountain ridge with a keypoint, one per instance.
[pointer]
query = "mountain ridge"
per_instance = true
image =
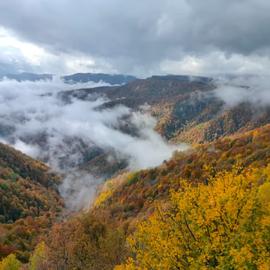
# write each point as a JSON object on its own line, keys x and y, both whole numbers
{"x": 113, "y": 79}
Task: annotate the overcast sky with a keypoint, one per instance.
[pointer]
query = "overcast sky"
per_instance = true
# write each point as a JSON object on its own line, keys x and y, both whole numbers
{"x": 140, "y": 37}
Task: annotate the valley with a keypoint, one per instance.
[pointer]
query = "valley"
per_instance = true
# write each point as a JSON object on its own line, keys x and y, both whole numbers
{"x": 117, "y": 154}
{"x": 134, "y": 135}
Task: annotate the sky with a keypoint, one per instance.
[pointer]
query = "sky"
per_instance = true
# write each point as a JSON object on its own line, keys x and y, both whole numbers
{"x": 141, "y": 37}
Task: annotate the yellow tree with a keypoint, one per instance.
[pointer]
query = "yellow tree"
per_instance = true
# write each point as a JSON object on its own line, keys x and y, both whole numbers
{"x": 38, "y": 259}
{"x": 10, "y": 263}
{"x": 222, "y": 225}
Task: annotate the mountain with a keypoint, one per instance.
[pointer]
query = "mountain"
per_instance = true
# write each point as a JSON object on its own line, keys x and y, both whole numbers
{"x": 133, "y": 196}
{"x": 152, "y": 91}
{"x": 211, "y": 192}
{"x": 113, "y": 79}
{"x": 185, "y": 108}
{"x": 211, "y": 201}
{"x": 29, "y": 201}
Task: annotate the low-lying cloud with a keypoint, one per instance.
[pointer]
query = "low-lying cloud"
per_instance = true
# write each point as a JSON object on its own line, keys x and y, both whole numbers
{"x": 37, "y": 121}
{"x": 244, "y": 89}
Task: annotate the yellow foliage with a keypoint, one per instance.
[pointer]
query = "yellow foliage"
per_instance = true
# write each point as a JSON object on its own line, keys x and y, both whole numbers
{"x": 103, "y": 196}
{"x": 222, "y": 225}
{"x": 10, "y": 263}
{"x": 38, "y": 258}
{"x": 110, "y": 186}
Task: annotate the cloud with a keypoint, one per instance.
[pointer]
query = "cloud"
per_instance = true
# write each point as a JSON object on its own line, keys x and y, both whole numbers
{"x": 18, "y": 55}
{"x": 249, "y": 89}
{"x": 37, "y": 121}
{"x": 137, "y": 36}
{"x": 27, "y": 148}
{"x": 217, "y": 62}
{"x": 79, "y": 190}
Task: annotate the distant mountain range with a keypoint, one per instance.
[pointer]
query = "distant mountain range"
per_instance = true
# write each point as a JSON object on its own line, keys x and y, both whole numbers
{"x": 113, "y": 79}
{"x": 97, "y": 77}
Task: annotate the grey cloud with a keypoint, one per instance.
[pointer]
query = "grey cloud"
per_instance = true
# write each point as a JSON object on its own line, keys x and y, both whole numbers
{"x": 234, "y": 26}
{"x": 141, "y": 33}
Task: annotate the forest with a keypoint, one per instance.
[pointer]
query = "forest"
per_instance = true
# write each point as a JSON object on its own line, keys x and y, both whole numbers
{"x": 206, "y": 208}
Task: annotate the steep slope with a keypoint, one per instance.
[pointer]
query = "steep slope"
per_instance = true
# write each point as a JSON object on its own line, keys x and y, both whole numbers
{"x": 28, "y": 201}
{"x": 133, "y": 196}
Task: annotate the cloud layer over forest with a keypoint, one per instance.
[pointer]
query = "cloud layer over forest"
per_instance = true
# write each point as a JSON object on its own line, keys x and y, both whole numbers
{"x": 38, "y": 122}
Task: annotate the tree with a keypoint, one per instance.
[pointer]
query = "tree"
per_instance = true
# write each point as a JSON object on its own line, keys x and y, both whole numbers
{"x": 86, "y": 242}
{"x": 38, "y": 259}
{"x": 10, "y": 263}
{"x": 224, "y": 224}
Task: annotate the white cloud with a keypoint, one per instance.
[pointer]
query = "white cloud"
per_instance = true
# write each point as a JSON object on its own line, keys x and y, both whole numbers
{"x": 26, "y": 56}
{"x": 31, "y": 53}
{"x": 251, "y": 89}
{"x": 217, "y": 62}
{"x": 28, "y": 149}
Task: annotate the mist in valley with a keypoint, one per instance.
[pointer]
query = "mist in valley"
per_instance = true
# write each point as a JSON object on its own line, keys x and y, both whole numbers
{"x": 63, "y": 132}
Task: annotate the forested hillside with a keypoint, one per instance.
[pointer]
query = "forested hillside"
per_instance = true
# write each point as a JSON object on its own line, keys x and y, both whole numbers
{"x": 206, "y": 208}
{"x": 134, "y": 194}
{"x": 29, "y": 201}
{"x": 201, "y": 208}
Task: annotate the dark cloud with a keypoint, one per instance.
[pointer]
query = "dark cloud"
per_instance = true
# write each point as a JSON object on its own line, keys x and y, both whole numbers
{"x": 142, "y": 33}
